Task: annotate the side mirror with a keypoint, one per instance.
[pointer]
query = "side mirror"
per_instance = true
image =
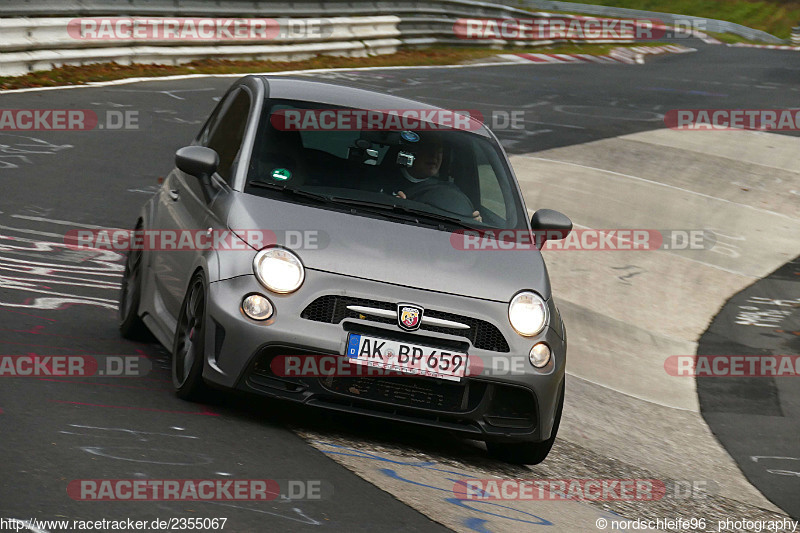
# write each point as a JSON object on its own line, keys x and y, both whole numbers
{"x": 548, "y": 224}
{"x": 197, "y": 161}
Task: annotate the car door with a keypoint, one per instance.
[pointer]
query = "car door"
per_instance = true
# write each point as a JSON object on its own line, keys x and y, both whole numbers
{"x": 184, "y": 202}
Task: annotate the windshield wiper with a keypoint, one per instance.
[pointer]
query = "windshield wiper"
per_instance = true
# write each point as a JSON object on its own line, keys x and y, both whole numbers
{"x": 396, "y": 211}
{"x": 420, "y": 213}
{"x": 289, "y": 190}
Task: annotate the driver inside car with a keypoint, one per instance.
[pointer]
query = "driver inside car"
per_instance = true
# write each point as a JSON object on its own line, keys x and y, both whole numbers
{"x": 428, "y": 155}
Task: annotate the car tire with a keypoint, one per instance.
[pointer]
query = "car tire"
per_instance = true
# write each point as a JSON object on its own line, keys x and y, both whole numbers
{"x": 130, "y": 323}
{"x": 528, "y": 453}
{"x": 188, "y": 348}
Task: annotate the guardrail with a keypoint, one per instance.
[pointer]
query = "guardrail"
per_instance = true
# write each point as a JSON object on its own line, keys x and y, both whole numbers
{"x": 40, "y": 39}
{"x": 30, "y": 44}
{"x": 796, "y": 35}
{"x": 26, "y": 34}
{"x": 702, "y": 24}
{"x": 248, "y": 8}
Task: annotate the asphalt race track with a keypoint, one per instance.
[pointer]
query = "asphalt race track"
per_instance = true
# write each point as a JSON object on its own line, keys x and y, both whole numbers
{"x": 55, "y": 300}
{"x": 765, "y": 406}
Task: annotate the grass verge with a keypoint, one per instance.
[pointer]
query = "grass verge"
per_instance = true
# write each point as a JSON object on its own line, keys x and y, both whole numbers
{"x": 772, "y": 16}
{"x": 80, "y": 75}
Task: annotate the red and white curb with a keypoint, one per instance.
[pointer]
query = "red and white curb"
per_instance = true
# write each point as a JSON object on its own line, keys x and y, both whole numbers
{"x": 770, "y": 46}
{"x": 617, "y": 55}
{"x": 636, "y": 54}
{"x": 697, "y": 34}
{"x": 553, "y": 59}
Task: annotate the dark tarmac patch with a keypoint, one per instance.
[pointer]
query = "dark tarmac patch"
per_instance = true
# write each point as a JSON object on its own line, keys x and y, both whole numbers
{"x": 757, "y": 419}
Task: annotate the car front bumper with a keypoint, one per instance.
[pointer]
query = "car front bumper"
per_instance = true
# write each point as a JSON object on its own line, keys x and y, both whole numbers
{"x": 509, "y": 400}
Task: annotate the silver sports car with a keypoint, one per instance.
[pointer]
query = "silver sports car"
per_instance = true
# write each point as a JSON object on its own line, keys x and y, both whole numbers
{"x": 357, "y": 252}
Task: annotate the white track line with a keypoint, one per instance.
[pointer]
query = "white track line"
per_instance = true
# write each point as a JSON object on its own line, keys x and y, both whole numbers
{"x": 33, "y": 232}
{"x": 60, "y": 222}
{"x": 676, "y": 254}
{"x": 281, "y": 73}
{"x": 242, "y": 74}
{"x": 631, "y": 395}
{"x": 653, "y": 182}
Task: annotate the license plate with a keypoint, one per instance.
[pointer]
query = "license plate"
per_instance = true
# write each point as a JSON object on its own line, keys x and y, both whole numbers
{"x": 404, "y": 357}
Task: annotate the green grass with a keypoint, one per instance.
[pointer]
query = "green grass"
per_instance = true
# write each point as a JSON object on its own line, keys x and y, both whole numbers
{"x": 731, "y": 38}
{"x": 80, "y": 75}
{"x": 772, "y": 16}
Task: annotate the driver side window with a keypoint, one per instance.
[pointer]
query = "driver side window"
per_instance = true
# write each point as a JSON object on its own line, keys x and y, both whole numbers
{"x": 224, "y": 131}
{"x": 226, "y": 138}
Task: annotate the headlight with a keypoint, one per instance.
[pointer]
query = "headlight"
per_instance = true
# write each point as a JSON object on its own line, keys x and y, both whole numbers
{"x": 540, "y": 355}
{"x": 257, "y": 307}
{"x": 279, "y": 270}
{"x": 527, "y": 313}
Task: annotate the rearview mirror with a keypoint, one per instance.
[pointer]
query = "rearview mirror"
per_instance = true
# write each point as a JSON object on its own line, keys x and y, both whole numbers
{"x": 197, "y": 161}
{"x": 549, "y": 224}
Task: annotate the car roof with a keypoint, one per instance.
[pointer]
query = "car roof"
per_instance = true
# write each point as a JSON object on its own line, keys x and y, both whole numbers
{"x": 282, "y": 87}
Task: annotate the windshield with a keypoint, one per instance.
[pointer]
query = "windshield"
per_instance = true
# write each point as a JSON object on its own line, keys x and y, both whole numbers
{"x": 445, "y": 174}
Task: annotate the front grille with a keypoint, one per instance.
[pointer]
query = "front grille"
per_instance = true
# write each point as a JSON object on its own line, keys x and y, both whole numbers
{"x": 422, "y": 393}
{"x": 511, "y": 407}
{"x": 496, "y": 407}
{"x": 332, "y": 309}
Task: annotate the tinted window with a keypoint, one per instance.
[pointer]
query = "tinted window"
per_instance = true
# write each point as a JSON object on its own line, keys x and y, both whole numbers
{"x": 442, "y": 171}
{"x": 202, "y": 137}
{"x": 227, "y": 132}
{"x": 492, "y": 195}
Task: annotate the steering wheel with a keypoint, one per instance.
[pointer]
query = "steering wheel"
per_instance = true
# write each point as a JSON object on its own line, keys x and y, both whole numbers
{"x": 441, "y": 195}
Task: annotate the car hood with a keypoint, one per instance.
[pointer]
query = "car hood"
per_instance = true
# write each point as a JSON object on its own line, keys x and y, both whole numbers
{"x": 383, "y": 250}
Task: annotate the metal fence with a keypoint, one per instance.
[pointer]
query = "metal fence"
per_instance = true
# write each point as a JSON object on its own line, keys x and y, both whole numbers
{"x": 251, "y": 8}
{"x": 306, "y": 8}
{"x": 34, "y": 33}
{"x": 703, "y": 24}
{"x": 30, "y": 44}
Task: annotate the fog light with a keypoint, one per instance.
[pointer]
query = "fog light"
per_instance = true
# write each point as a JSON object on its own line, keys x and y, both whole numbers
{"x": 257, "y": 307}
{"x": 540, "y": 355}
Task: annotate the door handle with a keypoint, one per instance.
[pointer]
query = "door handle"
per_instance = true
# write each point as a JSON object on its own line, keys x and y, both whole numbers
{"x": 173, "y": 194}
